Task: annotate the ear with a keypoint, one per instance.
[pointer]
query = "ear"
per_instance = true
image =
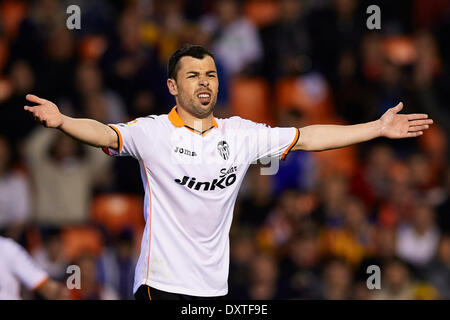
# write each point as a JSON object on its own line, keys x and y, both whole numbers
{"x": 172, "y": 85}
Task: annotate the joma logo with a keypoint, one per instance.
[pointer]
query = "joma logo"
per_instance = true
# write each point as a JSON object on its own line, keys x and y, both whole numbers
{"x": 185, "y": 152}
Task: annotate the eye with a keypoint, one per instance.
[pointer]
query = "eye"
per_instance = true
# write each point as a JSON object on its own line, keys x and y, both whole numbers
{"x": 212, "y": 75}
{"x": 191, "y": 76}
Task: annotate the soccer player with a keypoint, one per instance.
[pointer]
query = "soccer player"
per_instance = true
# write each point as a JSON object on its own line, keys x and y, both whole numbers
{"x": 17, "y": 267}
{"x": 192, "y": 165}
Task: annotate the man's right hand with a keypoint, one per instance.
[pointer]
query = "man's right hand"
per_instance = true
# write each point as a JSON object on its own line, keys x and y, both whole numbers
{"x": 45, "y": 112}
{"x": 87, "y": 131}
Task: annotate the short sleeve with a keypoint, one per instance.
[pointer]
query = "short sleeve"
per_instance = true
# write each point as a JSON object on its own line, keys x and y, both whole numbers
{"x": 268, "y": 142}
{"x": 23, "y": 266}
{"x": 131, "y": 137}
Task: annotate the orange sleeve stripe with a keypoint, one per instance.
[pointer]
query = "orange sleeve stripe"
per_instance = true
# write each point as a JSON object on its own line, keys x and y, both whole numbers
{"x": 40, "y": 284}
{"x": 119, "y": 135}
{"x": 297, "y": 135}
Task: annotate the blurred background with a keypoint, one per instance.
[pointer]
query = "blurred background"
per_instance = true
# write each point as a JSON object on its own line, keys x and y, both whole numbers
{"x": 308, "y": 232}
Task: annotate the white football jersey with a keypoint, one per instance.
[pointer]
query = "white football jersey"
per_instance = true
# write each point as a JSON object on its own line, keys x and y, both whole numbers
{"x": 16, "y": 268}
{"x": 191, "y": 181}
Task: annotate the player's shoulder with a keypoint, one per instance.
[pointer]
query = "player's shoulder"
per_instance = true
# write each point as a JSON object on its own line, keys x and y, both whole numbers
{"x": 236, "y": 122}
{"x": 152, "y": 118}
{"x": 8, "y": 245}
{"x": 146, "y": 122}
{"x": 5, "y": 241}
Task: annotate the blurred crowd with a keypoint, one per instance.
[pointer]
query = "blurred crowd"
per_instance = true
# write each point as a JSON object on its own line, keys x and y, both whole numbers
{"x": 309, "y": 232}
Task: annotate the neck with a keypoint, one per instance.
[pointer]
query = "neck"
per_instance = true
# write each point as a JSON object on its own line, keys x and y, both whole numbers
{"x": 194, "y": 122}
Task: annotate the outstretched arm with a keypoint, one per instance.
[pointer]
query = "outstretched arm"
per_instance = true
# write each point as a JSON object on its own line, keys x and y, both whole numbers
{"x": 390, "y": 125}
{"x": 87, "y": 131}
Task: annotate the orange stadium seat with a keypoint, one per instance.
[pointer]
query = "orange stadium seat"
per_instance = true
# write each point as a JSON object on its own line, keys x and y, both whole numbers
{"x": 118, "y": 211}
{"x": 78, "y": 240}
{"x": 310, "y": 95}
{"x": 250, "y": 99}
{"x": 261, "y": 12}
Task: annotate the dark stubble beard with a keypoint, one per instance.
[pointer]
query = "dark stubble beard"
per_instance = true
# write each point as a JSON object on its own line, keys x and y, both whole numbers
{"x": 196, "y": 109}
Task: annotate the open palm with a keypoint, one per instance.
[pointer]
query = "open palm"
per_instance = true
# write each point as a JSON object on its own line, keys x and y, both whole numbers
{"x": 396, "y": 126}
{"x": 45, "y": 112}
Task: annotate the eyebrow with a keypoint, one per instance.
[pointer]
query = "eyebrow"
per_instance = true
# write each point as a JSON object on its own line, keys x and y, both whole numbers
{"x": 196, "y": 72}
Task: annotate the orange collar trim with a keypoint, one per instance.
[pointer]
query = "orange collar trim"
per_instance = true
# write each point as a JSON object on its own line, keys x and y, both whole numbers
{"x": 178, "y": 122}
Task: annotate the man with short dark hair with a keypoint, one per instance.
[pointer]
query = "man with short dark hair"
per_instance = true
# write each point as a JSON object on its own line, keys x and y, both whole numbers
{"x": 192, "y": 166}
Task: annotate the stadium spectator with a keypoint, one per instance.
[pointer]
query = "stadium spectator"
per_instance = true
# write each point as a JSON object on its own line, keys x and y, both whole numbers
{"x": 90, "y": 286}
{"x": 354, "y": 239}
{"x": 52, "y": 158}
{"x": 282, "y": 221}
{"x": 399, "y": 284}
{"x": 417, "y": 240}
{"x": 132, "y": 69}
{"x": 235, "y": 40}
{"x": 333, "y": 193}
{"x": 242, "y": 253}
{"x": 337, "y": 280}
{"x": 385, "y": 250}
{"x": 438, "y": 271}
{"x": 258, "y": 202}
{"x": 365, "y": 71}
{"x": 116, "y": 265}
{"x": 333, "y": 30}
{"x": 59, "y": 62}
{"x": 16, "y": 124}
{"x": 89, "y": 83}
{"x": 15, "y": 195}
{"x": 264, "y": 277}
{"x": 287, "y": 44}
{"x": 51, "y": 256}
{"x": 300, "y": 276}
{"x": 443, "y": 208}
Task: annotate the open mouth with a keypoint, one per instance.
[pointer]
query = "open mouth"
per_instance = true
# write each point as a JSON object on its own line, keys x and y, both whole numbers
{"x": 204, "y": 97}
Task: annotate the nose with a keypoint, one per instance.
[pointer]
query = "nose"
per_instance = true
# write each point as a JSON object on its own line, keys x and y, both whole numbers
{"x": 204, "y": 81}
